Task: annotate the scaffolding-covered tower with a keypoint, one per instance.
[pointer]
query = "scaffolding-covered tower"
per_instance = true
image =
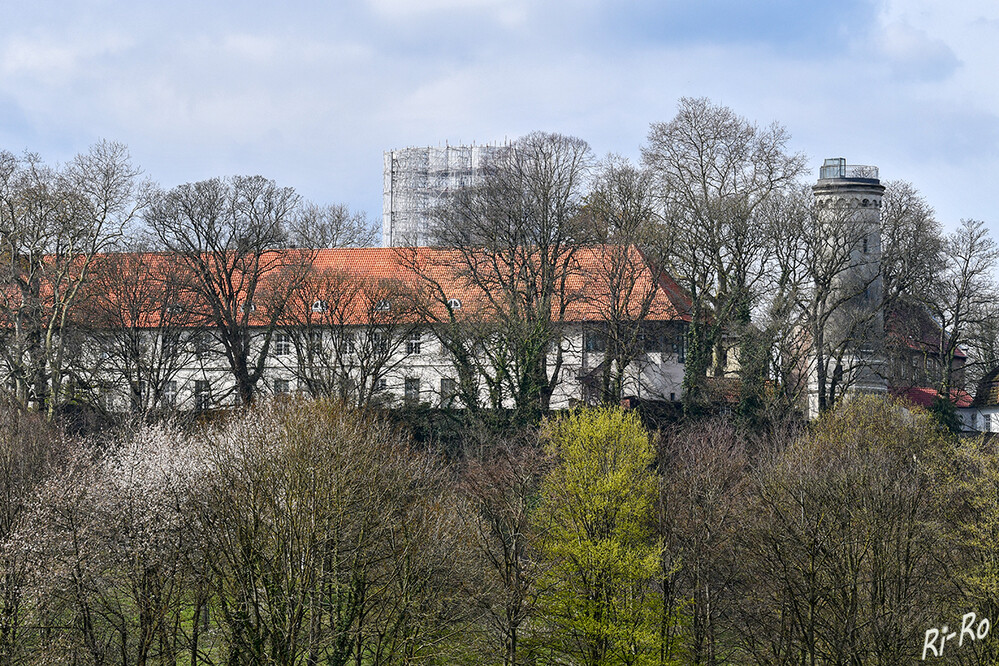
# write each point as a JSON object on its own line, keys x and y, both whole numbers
{"x": 415, "y": 181}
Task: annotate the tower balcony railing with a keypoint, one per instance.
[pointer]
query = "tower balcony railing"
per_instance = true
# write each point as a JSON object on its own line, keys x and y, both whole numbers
{"x": 838, "y": 168}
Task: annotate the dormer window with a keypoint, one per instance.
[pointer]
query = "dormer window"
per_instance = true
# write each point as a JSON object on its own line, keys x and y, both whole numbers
{"x": 244, "y": 307}
{"x": 383, "y": 305}
{"x": 454, "y": 303}
{"x": 174, "y": 308}
{"x": 319, "y": 306}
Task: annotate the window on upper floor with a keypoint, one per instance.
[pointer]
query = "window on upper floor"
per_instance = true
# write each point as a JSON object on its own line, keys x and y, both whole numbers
{"x": 680, "y": 348}
{"x": 282, "y": 344}
{"x": 315, "y": 341}
{"x": 282, "y": 386}
{"x": 413, "y": 344}
{"x": 384, "y": 305}
{"x": 201, "y": 341}
{"x": 594, "y": 341}
{"x": 379, "y": 342}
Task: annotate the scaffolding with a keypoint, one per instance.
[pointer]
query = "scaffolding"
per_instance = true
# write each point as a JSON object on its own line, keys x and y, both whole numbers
{"x": 417, "y": 179}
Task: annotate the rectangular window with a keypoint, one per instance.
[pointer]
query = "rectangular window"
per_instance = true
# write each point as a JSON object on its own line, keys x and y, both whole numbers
{"x": 169, "y": 396}
{"x": 379, "y": 342}
{"x": 282, "y": 344}
{"x": 383, "y": 384}
{"x": 654, "y": 342}
{"x": 315, "y": 342}
{"x": 282, "y": 386}
{"x": 168, "y": 344}
{"x": 202, "y": 394}
{"x": 413, "y": 344}
{"x": 412, "y": 394}
{"x": 202, "y": 343}
{"x": 449, "y": 389}
{"x": 986, "y": 423}
{"x": 594, "y": 341}
{"x": 680, "y": 348}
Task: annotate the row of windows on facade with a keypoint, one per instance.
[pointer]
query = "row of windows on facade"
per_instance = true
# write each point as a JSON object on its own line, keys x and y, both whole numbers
{"x": 203, "y": 395}
{"x": 595, "y": 341}
{"x": 283, "y": 343}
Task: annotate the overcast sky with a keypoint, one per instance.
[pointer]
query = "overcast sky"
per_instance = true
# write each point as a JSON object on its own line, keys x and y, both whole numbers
{"x": 311, "y": 93}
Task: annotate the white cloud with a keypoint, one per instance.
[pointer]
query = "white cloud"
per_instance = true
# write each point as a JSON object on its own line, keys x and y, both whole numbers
{"x": 914, "y": 54}
{"x": 53, "y": 58}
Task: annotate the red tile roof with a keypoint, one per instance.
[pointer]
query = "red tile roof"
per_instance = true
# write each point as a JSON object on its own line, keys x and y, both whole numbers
{"x": 922, "y": 396}
{"x": 365, "y": 276}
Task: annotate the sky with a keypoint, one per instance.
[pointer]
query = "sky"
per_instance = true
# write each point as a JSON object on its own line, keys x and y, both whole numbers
{"x": 310, "y": 93}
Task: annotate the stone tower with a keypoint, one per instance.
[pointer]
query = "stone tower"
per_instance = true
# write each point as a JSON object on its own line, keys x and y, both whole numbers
{"x": 851, "y": 348}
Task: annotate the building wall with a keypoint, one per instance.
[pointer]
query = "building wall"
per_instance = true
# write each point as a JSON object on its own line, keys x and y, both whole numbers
{"x": 655, "y": 375}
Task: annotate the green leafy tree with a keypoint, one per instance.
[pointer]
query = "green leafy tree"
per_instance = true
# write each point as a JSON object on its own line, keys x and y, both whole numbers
{"x": 600, "y": 603}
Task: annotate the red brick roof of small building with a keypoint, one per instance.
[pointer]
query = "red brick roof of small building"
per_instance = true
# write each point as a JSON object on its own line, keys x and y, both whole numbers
{"x": 922, "y": 396}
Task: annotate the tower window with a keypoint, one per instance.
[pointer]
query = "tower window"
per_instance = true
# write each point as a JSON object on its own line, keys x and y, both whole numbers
{"x": 865, "y": 244}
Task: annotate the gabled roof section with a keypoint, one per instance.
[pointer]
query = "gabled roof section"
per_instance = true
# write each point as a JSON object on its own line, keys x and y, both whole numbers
{"x": 911, "y": 325}
{"x": 378, "y": 272}
{"x": 987, "y": 394}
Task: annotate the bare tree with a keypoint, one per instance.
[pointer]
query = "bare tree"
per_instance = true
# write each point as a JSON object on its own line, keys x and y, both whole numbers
{"x": 141, "y": 330}
{"x": 845, "y": 555}
{"x": 705, "y": 485}
{"x": 332, "y": 541}
{"x": 500, "y": 490}
{"x": 963, "y": 292}
{"x": 514, "y": 240}
{"x": 627, "y": 285}
{"x": 714, "y": 173}
{"x": 31, "y": 451}
{"x": 328, "y": 226}
{"x": 349, "y": 332}
{"x": 225, "y": 233}
{"x": 53, "y": 222}
{"x": 911, "y": 242}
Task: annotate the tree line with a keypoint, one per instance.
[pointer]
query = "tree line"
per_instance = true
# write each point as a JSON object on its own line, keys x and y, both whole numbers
{"x": 310, "y": 532}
